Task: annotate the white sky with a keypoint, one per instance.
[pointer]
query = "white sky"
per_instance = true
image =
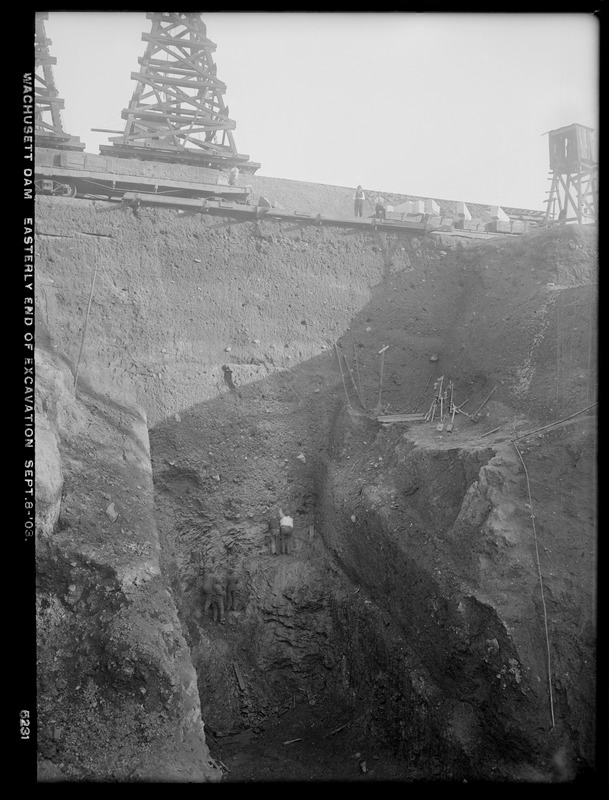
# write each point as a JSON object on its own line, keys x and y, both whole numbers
{"x": 443, "y": 105}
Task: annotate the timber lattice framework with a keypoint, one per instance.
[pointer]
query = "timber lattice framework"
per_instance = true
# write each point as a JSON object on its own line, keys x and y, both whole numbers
{"x": 177, "y": 112}
{"x": 48, "y": 127}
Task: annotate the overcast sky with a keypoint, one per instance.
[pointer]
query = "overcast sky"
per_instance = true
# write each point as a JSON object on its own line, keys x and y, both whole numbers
{"x": 451, "y": 106}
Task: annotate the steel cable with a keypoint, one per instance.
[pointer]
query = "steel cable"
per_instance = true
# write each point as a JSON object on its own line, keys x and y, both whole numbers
{"x": 543, "y": 599}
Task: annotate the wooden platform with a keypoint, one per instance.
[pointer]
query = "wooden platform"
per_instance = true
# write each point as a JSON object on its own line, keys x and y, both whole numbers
{"x": 389, "y": 419}
{"x": 213, "y": 206}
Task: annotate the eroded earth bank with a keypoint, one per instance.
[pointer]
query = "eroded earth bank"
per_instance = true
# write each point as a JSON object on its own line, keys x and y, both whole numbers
{"x": 406, "y": 636}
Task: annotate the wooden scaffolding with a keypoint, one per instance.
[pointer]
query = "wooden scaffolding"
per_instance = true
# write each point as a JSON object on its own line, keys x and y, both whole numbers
{"x": 177, "y": 111}
{"x": 573, "y": 195}
{"x": 48, "y": 128}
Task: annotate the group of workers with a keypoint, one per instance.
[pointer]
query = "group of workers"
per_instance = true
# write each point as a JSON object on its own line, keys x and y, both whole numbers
{"x": 213, "y": 588}
{"x": 214, "y": 593}
{"x": 359, "y": 197}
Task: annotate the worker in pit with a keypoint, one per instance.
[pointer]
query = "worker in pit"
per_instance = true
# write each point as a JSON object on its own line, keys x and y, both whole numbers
{"x": 218, "y": 593}
{"x": 213, "y": 593}
{"x": 207, "y": 589}
{"x": 379, "y": 207}
{"x": 233, "y": 176}
{"x": 286, "y": 529}
{"x": 358, "y": 202}
{"x": 232, "y": 589}
{"x": 274, "y": 531}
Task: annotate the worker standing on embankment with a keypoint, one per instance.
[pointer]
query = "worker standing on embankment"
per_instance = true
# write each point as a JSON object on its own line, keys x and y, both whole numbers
{"x": 358, "y": 202}
{"x": 379, "y": 207}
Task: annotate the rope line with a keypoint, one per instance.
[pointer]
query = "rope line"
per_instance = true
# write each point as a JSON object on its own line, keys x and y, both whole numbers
{"x": 340, "y": 366}
{"x": 543, "y": 599}
{"x": 558, "y": 353}
{"x": 574, "y": 316}
{"x": 590, "y": 340}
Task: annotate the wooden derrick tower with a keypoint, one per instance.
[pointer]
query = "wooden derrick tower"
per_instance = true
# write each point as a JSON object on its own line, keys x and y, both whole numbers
{"x": 48, "y": 128}
{"x": 177, "y": 112}
{"x": 573, "y": 196}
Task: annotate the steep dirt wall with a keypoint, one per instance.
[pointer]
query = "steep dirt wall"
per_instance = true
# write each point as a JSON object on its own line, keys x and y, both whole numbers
{"x": 176, "y": 297}
{"x": 516, "y": 318}
{"x": 439, "y": 536}
{"x": 518, "y": 315}
{"x": 117, "y": 696}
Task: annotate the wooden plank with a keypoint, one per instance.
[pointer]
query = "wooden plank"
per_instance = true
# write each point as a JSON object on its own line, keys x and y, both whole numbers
{"x": 195, "y": 81}
{"x": 240, "y": 680}
{"x": 158, "y": 64}
{"x": 183, "y": 118}
{"x": 401, "y": 418}
{"x": 200, "y": 44}
{"x": 239, "y": 210}
{"x": 177, "y": 102}
{"x": 49, "y": 102}
{"x": 177, "y": 60}
{"x": 153, "y": 85}
{"x": 177, "y": 154}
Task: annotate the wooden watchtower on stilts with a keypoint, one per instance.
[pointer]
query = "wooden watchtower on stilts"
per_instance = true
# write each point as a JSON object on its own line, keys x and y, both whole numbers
{"x": 177, "y": 112}
{"x": 48, "y": 128}
{"x": 573, "y": 196}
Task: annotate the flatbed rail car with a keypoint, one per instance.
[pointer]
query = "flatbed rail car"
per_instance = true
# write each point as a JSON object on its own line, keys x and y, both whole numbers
{"x": 68, "y": 174}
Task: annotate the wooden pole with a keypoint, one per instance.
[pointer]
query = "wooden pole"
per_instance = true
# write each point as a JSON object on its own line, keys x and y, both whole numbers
{"x": 353, "y": 382}
{"x": 359, "y": 377}
{"x": 340, "y": 366}
{"x": 484, "y": 402}
{"x": 552, "y": 424}
{"x": 84, "y": 330}
{"x": 382, "y": 354}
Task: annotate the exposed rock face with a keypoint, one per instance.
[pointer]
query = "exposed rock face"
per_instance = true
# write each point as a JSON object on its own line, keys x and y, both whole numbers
{"x": 447, "y": 558}
{"x": 57, "y": 415}
{"x": 117, "y": 696}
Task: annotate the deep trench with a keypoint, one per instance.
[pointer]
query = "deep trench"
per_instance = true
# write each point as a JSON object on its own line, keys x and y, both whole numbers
{"x": 372, "y": 619}
{"x": 352, "y": 621}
